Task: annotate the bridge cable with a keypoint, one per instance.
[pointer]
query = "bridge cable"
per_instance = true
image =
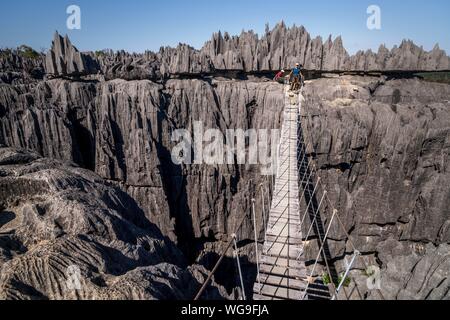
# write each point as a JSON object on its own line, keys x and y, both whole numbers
{"x": 337, "y": 215}
{"x": 236, "y": 255}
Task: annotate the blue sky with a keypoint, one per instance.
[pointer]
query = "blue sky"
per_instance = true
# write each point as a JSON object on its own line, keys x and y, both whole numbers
{"x": 137, "y": 25}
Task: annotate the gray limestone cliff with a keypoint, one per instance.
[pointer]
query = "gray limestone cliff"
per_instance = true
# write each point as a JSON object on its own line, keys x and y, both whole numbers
{"x": 64, "y": 59}
{"x": 382, "y": 148}
{"x": 279, "y": 48}
{"x": 387, "y": 175}
{"x": 65, "y": 233}
{"x": 109, "y": 188}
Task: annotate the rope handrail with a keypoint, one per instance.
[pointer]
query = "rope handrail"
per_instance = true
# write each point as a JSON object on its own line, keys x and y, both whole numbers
{"x": 347, "y": 271}
{"x": 231, "y": 242}
{"x": 256, "y": 241}
{"x": 314, "y": 168}
{"x": 213, "y": 271}
{"x": 325, "y": 194}
{"x": 236, "y": 255}
{"x": 311, "y": 187}
{"x": 222, "y": 256}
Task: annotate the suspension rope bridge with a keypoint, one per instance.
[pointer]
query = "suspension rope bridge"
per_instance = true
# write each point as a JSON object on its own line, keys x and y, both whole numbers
{"x": 295, "y": 223}
{"x": 279, "y": 271}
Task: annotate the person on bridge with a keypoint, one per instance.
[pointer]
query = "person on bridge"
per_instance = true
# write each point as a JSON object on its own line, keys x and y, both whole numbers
{"x": 279, "y": 77}
{"x": 297, "y": 77}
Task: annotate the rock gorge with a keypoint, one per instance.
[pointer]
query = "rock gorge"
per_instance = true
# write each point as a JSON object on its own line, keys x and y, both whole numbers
{"x": 86, "y": 152}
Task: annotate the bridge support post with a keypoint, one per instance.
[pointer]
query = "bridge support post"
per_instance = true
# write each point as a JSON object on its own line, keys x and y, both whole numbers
{"x": 349, "y": 267}
{"x": 256, "y": 241}
{"x": 236, "y": 255}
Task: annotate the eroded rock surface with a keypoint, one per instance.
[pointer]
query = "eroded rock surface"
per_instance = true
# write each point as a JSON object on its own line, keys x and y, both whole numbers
{"x": 64, "y": 59}
{"x": 383, "y": 150}
{"x": 382, "y": 146}
{"x": 17, "y": 67}
{"x": 67, "y": 234}
{"x": 279, "y": 48}
{"x": 122, "y": 131}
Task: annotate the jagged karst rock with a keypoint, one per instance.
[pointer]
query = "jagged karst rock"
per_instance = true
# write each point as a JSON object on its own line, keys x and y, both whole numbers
{"x": 18, "y": 66}
{"x": 282, "y": 47}
{"x": 422, "y": 267}
{"x": 63, "y": 59}
{"x": 279, "y": 48}
{"x": 383, "y": 151}
{"x": 382, "y": 147}
{"x": 183, "y": 60}
{"x": 126, "y": 66}
{"x": 380, "y": 169}
{"x": 123, "y": 134}
{"x": 55, "y": 217}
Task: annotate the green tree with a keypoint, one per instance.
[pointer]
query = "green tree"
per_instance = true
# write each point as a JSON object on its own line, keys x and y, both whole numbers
{"x": 28, "y": 52}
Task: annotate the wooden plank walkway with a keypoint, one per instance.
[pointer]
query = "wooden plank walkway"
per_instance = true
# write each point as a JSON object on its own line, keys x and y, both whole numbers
{"x": 282, "y": 268}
